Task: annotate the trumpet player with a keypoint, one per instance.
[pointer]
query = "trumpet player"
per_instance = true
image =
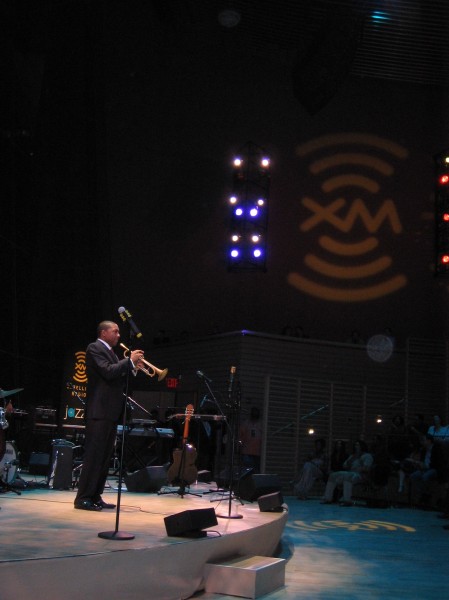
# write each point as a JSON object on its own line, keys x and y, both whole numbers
{"x": 106, "y": 375}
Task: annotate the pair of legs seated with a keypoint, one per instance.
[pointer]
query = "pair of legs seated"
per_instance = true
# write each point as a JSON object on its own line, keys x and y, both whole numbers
{"x": 346, "y": 479}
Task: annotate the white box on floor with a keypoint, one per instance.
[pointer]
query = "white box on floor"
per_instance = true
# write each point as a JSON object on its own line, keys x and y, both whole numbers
{"x": 246, "y": 576}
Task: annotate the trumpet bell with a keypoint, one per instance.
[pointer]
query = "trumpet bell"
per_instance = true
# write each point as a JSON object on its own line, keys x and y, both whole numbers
{"x": 161, "y": 374}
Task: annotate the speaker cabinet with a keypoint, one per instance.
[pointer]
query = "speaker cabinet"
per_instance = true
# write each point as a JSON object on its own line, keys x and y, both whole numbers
{"x": 149, "y": 479}
{"x": 190, "y": 523}
{"x": 256, "y": 485}
{"x": 271, "y": 502}
{"x": 60, "y": 477}
{"x": 39, "y": 463}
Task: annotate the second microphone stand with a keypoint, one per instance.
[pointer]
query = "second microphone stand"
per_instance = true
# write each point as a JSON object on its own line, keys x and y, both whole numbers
{"x": 231, "y": 428}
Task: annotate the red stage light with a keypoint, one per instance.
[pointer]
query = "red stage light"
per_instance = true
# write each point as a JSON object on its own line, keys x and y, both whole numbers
{"x": 444, "y": 179}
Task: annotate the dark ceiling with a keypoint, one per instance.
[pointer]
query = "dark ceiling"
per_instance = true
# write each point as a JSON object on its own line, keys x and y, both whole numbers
{"x": 402, "y": 40}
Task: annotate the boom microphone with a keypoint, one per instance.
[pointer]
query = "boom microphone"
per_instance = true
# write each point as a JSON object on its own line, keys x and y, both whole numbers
{"x": 201, "y": 375}
{"x": 231, "y": 381}
{"x": 126, "y": 317}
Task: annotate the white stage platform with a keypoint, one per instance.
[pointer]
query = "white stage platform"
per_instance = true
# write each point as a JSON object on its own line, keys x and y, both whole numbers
{"x": 51, "y": 551}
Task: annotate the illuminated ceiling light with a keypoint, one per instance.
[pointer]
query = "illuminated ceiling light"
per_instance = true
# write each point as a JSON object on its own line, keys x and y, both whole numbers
{"x": 260, "y": 202}
{"x": 239, "y": 212}
{"x": 235, "y": 253}
{"x": 445, "y": 259}
{"x": 238, "y": 162}
{"x": 311, "y": 431}
{"x": 379, "y": 419}
{"x": 255, "y": 238}
{"x": 235, "y": 238}
{"x": 444, "y": 179}
{"x": 446, "y": 217}
{"x": 257, "y": 253}
{"x": 233, "y": 200}
{"x": 254, "y": 212}
{"x": 265, "y": 162}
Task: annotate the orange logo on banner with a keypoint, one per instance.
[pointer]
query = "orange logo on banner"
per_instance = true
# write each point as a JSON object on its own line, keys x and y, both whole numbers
{"x": 80, "y": 374}
{"x": 349, "y": 265}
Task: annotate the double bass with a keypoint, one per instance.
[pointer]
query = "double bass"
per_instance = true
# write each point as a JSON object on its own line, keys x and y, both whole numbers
{"x": 183, "y": 469}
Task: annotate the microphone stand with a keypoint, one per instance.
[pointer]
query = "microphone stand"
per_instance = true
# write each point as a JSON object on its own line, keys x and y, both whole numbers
{"x": 116, "y": 534}
{"x": 231, "y": 433}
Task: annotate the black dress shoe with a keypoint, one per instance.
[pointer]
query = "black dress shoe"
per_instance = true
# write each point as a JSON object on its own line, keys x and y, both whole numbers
{"x": 102, "y": 504}
{"x": 87, "y": 505}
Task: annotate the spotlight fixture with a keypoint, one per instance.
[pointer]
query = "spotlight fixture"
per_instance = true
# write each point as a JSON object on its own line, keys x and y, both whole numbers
{"x": 248, "y": 203}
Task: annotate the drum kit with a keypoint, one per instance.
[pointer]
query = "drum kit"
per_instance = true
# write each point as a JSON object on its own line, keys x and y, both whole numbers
{"x": 9, "y": 456}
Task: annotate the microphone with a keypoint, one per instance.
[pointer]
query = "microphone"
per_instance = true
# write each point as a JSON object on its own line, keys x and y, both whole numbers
{"x": 204, "y": 401}
{"x": 126, "y": 317}
{"x": 201, "y": 375}
{"x": 231, "y": 381}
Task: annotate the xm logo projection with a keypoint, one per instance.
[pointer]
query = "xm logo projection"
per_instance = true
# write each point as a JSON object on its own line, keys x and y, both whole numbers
{"x": 76, "y": 390}
{"x": 348, "y": 263}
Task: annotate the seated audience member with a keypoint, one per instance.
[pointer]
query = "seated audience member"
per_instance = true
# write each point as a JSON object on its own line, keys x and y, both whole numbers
{"x": 314, "y": 468}
{"x": 430, "y": 467}
{"x": 381, "y": 468}
{"x": 398, "y": 439}
{"x": 338, "y": 456}
{"x": 356, "y": 469}
{"x": 438, "y": 431}
{"x": 417, "y": 426}
{"x": 409, "y": 464}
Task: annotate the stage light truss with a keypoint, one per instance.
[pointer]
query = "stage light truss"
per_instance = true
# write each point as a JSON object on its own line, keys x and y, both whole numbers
{"x": 248, "y": 210}
{"x": 442, "y": 213}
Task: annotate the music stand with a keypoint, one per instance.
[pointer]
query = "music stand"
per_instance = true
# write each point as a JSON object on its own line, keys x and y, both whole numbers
{"x": 116, "y": 534}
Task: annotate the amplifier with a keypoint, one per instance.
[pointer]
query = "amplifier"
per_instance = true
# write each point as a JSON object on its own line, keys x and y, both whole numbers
{"x": 45, "y": 414}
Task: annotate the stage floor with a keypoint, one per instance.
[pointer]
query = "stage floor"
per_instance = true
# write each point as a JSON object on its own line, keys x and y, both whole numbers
{"x": 51, "y": 550}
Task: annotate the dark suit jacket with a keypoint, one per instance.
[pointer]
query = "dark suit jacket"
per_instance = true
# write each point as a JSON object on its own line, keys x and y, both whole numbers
{"x": 105, "y": 382}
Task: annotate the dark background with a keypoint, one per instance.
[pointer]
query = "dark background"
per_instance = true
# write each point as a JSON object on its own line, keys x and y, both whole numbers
{"x": 119, "y": 121}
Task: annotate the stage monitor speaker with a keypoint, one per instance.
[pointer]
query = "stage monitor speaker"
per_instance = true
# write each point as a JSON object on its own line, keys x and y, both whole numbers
{"x": 39, "y": 463}
{"x": 256, "y": 485}
{"x": 271, "y": 502}
{"x": 149, "y": 479}
{"x": 190, "y": 523}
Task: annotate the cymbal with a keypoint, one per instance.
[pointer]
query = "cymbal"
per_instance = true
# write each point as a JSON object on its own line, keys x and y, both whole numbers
{"x": 6, "y": 393}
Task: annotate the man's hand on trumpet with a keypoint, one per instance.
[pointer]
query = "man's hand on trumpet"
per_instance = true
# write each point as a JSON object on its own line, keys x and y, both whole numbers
{"x": 136, "y": 358}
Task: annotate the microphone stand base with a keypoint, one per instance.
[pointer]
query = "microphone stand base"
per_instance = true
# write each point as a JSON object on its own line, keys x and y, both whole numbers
{"x": 234, "y": 516}
{"x": 116, "y": 535}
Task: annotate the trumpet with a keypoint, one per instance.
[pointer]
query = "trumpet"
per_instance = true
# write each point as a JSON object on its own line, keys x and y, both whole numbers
{"x": 151, "y": 371}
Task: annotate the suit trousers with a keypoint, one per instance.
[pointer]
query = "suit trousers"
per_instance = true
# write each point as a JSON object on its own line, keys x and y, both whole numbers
{"x": 100, "y": 439}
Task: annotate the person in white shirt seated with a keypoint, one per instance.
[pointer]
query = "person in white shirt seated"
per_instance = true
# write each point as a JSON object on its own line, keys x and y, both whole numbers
{"x": 438, "y": 431}
{"x": 356, "y": 470}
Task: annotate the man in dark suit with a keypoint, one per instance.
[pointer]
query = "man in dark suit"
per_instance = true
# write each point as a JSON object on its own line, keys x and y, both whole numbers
{"x": 106, "y": 376}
